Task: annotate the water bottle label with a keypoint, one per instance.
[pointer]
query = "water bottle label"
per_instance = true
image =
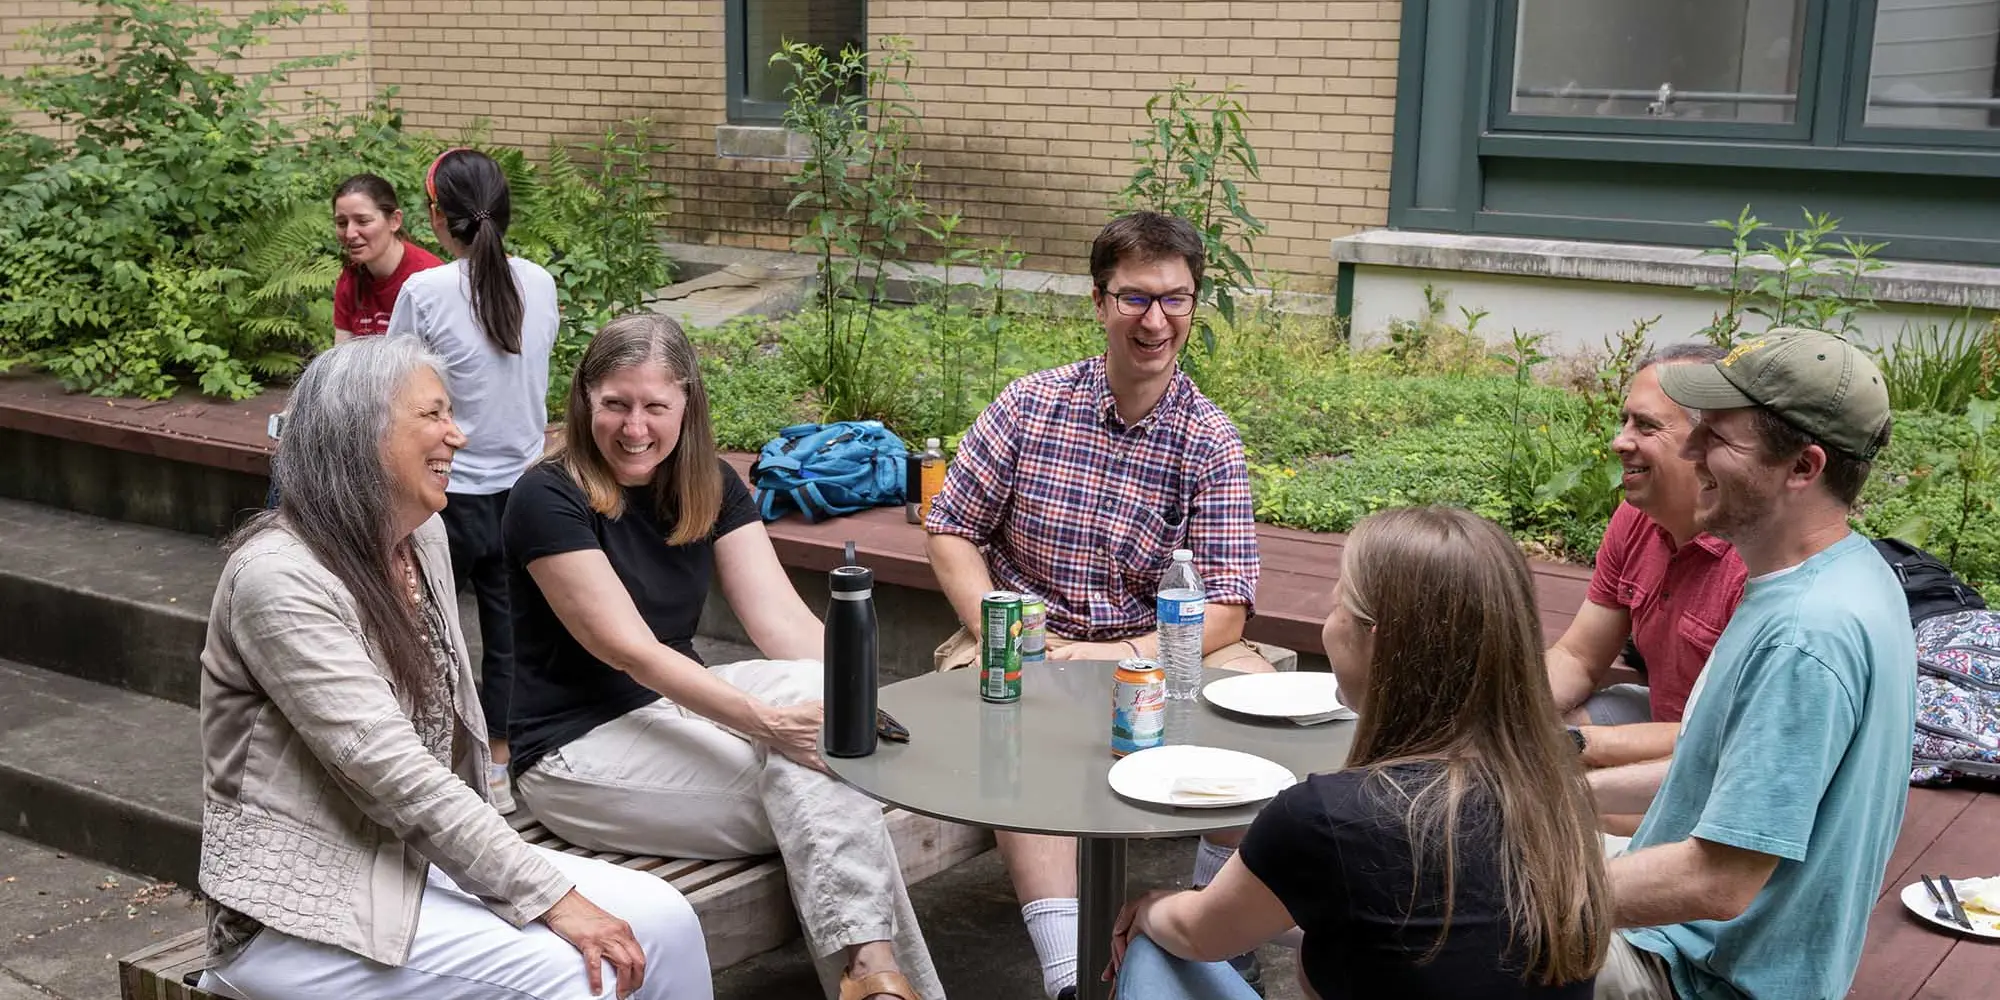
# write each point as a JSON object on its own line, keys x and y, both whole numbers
{"x": 1180, "y": 612}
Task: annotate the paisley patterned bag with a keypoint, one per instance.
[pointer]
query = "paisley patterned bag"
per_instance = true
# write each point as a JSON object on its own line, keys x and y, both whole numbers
{"x": 1958, "y": 698}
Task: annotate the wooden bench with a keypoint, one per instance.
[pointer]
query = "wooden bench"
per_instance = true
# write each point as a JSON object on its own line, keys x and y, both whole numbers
{"x": 744, "y": 904}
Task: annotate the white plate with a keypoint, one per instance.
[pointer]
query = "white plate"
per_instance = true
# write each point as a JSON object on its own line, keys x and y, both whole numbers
{"x": 1984, "y": 924}
{"x": 1149, "y": 776}
{"x": 1286, "y": 695}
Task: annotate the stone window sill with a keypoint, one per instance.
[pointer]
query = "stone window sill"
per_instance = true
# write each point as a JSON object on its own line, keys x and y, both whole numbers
{"x": 1952, "y": 285}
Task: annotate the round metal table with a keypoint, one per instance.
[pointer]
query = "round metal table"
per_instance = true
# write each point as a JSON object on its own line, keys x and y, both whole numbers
{"x": 1039, "y": 765}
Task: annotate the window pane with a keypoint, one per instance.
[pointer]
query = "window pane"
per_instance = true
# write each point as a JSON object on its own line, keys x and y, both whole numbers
{"x": 830, "y": 24}
{"x": 1716, "y": 60}
{"x": 1933, "y": 64}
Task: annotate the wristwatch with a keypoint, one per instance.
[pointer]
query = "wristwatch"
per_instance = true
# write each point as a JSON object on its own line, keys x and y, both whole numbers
{"x": 1576, "y": 735}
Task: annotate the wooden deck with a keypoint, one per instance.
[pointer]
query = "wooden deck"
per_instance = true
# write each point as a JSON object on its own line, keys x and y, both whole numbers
{"x": 1946, "y": 831}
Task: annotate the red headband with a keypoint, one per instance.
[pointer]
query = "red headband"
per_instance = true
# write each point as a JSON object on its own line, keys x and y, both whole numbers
{"x": 430, "y": 176}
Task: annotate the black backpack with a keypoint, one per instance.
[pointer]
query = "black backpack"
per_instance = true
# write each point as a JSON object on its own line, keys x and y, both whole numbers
{"x": 1930, "y": 586}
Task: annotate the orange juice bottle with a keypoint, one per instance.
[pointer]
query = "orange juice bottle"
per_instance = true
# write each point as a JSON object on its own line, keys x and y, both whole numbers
{"x": 931, "y": 481}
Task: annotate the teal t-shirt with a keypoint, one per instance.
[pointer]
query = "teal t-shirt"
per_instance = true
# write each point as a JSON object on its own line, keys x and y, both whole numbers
{"x": 1796, "y": 744}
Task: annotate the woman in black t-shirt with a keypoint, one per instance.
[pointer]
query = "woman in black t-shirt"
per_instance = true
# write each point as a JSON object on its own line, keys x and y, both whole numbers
{"x": 622, "y": 740}
{"x": 1457, "y": 854}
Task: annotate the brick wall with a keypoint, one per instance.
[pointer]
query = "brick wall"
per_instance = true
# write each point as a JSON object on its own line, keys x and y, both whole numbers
{"x": 322, "y": 35}
{"x": 1029, "y": 105}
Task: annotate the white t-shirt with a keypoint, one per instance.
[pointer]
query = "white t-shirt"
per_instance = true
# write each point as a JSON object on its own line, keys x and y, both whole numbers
{"x": 498, "y": 399}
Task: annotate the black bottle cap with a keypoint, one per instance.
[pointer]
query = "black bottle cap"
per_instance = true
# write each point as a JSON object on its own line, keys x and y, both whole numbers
{"x": 852, "y": 579}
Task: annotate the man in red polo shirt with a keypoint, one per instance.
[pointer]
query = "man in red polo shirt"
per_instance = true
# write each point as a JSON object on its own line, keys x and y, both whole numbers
{"x": 1659, "y": 581}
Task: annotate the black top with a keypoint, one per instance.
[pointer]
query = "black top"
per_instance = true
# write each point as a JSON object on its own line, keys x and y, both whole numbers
{"x": 561, "y": 691}
{"x": 1335, "y": 851}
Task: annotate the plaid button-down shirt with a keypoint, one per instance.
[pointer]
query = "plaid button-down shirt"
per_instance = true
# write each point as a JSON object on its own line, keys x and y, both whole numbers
{"x": 1068, "y": 502}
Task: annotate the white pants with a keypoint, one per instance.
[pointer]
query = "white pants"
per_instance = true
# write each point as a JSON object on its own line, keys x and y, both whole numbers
{"x": 662, "y": 780}
{"x": 463, "y": 950}
{"x": 1632, "y": 973}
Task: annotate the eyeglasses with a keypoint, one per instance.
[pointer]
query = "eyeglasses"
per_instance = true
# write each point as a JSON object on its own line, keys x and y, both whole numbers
{"x": 1176, "y": 304}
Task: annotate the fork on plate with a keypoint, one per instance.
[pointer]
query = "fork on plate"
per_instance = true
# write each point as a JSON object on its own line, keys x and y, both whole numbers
{"x": 1949, "y": 909}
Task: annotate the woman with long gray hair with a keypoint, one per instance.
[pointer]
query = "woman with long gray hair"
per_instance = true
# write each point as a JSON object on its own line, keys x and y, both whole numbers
{"x": 349, "y": 848}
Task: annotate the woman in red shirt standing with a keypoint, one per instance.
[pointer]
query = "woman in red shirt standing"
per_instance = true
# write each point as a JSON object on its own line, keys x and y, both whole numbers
{"x": 370, "y": 226}
{"x": 369, "y": 222}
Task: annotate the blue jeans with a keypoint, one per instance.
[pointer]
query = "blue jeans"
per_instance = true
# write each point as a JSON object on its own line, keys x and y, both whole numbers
{"x": 1149, "y": 973}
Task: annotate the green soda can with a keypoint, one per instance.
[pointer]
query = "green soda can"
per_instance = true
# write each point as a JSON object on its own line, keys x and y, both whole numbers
{"x": 1034, "y": 627}
{"x": 1000, "y": 646}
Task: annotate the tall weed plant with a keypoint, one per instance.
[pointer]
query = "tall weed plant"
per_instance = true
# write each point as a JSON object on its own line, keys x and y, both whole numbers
{"x": 858, "y": 182}
{"x": 1808, "y": 278}
{"x": 1189, "y": 163}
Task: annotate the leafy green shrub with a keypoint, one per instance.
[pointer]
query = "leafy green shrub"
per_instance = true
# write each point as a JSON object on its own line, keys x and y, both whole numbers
{"x": 185, "y": 229}
{"x": 589, "y": 214}
{"x": 119, "y": 247}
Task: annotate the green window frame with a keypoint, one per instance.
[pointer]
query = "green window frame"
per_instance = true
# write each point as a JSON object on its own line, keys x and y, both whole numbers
{"x": 1465, "y": 161}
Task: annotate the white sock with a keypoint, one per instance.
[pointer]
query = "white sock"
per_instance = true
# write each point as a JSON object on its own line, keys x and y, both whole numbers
{"x": 1208, "y": 860}
{"x": 1052, "y": 927}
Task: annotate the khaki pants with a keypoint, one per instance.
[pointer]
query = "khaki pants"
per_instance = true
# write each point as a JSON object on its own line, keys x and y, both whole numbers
{"x": 1633, "y": 973}
{"x": 962, "y": 650}
{"x": 662, "y": 780}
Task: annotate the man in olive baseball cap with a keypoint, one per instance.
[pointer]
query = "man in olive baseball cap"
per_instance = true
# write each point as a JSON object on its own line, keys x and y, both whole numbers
{"x": 1766, "y": 835}
{"x": 1816, "y": 382}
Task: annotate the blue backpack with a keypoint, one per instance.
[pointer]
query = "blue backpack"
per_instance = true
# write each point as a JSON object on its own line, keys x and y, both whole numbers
{"x": 827, "y": 470}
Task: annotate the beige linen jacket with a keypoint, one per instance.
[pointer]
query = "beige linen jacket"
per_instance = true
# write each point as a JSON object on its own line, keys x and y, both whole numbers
{"x": 323, "y": 810}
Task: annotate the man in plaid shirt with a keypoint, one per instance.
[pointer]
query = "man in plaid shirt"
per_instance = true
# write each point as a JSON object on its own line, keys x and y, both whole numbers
{"x": 1076, "y": 485}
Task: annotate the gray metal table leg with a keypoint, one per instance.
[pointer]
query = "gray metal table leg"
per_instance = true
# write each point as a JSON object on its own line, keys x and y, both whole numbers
{"x": 1100, "y": 880}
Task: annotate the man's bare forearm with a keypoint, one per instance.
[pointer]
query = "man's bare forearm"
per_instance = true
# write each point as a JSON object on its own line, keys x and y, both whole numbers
{"x": 961, "y": 572}
{"x": 1628, "y": 789}
{"x": 1617, "y": 746}
{"x": 1569, "y": 680}
{"x": 1684, "y": 881}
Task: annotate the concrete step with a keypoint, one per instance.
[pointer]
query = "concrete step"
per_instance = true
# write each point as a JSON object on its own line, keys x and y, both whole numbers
{"x": 116, "y": 776}
{"x": 127, "y": 605}
{"x": 105, "y": 773}
{"x": 107, "y": 601}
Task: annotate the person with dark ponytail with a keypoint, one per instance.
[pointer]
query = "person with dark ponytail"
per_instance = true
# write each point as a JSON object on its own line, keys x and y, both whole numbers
{"x": 493, "y": 320}
{"x": 369, "y": 222}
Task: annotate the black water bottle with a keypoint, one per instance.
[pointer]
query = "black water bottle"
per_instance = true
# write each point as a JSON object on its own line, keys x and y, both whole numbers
{"x": 851, "y": 665}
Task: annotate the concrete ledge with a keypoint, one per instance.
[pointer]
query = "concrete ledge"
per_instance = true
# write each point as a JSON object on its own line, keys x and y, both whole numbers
{"x": 760, "y": 142}
{"x": 1952, "y": 285}
{"x": 902, "y": 280}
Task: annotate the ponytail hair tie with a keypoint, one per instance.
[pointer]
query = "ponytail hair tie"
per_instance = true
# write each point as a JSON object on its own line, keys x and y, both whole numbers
{"x": 482, "y": 216}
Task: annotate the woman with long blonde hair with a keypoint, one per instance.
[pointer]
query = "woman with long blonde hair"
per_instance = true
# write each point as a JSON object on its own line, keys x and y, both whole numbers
{"x": 1456, "y": 855}
{"x": 624, "y": 739}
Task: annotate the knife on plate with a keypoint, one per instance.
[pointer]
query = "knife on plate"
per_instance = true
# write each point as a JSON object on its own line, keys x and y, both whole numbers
{"x": 1957, "y": 908}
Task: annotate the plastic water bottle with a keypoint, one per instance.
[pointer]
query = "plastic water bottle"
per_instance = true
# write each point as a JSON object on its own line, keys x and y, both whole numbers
{"x": 1180, "y": 604}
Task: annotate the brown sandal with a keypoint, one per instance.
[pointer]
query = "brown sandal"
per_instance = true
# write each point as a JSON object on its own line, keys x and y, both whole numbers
{"x": 890, "y": 983}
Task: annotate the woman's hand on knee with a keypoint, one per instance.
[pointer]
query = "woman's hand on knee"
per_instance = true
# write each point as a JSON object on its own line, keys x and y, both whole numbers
{"x": 794, "y": 732}
{"x": 601, "y": 938}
